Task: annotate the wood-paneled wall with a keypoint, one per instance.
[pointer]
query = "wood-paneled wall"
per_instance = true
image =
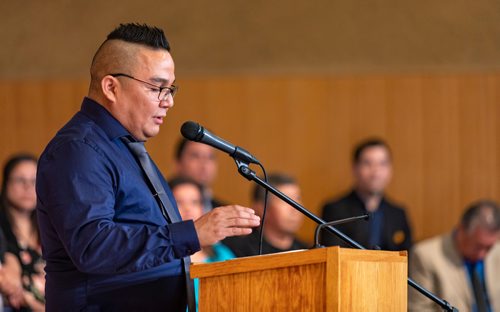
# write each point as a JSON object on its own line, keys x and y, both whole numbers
{"x": 442, "y": 128}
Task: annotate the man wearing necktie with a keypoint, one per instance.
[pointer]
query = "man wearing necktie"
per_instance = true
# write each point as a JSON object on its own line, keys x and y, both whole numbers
{"x": 111, "y": 233}
{"x": 462, "y": 267}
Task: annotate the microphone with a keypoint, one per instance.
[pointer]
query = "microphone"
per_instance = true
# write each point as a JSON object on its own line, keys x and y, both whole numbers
{"x": 193, "y": 131}
{"x": 336, "y": 222}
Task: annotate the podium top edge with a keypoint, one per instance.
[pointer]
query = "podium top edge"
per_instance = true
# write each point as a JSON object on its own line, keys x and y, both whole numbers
{"x": 294, "y": 258}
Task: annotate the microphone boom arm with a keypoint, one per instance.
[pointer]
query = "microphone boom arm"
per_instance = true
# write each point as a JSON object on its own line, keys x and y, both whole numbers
{"x": 250, "y": 175}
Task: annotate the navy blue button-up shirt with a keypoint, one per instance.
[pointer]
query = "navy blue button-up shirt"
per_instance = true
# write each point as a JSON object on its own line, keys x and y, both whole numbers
{"x": 104, "y": 238}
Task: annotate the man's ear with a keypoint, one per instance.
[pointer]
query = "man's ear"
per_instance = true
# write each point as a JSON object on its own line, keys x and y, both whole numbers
{"x": 109, "y": 87}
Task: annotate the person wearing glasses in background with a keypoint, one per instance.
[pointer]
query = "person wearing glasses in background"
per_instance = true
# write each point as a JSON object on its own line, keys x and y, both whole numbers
{"x": 112, "y": 236}
{"x": 19, "y": 225}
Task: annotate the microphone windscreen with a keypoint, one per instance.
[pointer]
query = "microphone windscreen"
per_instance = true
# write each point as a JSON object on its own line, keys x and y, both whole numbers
{"x": 191, "y": 130}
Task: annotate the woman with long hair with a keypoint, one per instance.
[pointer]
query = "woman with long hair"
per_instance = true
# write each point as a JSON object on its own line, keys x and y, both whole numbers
{"x": 19, "y": 224}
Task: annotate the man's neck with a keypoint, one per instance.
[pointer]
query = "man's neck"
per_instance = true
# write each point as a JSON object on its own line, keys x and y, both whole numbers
{"x": 371, "y": 200}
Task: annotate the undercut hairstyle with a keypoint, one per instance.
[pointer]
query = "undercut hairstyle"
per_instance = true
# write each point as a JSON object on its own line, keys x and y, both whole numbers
{"x": 368, "y": 143}
{"x": 117, "y": 54}
{"x": 276, "y": 180}
{"x": 484, "y": 214}
{"x": 178, "y": 181}
{"x": 150, "y": 36}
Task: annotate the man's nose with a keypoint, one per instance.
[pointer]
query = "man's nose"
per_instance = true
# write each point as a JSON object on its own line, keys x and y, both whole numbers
{"x": 168, "y": 102}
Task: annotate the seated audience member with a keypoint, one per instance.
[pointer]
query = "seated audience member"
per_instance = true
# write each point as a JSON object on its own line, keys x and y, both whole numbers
{"x": 11, "y": 291}
{"x": 388, "y": 227}
{"x": 189, "y": 198}
{"x": 19, "y": 224}
{"x": 198, "y": 162}
{"x": 462, "y": 267}
{"x": 281, "y": 224}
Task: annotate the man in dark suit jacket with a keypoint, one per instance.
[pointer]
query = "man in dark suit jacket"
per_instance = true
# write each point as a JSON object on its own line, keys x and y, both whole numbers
{"x": 388, "y": 227}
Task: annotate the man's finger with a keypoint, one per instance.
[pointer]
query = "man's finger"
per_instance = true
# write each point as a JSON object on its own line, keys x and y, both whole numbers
{"x": 236, "y": 210}
{"x": 237, "y": 231}
{"x": 221, "y": 216}
{"x": 241, "y": 222}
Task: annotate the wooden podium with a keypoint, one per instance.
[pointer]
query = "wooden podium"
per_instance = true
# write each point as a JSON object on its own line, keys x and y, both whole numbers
{"x": 325, "y": 279}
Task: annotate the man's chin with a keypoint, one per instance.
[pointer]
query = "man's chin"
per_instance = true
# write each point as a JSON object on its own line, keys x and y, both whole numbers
{"x": 151, "y": 134}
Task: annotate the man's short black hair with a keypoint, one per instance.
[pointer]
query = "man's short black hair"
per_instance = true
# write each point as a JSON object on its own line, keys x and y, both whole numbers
{"x": 363, "y": 145}
{"x": 181, "y": 146}
{"x": 180, "y": 180}
{"x": 276, "y": 180}
{"x": 150, "y": 36}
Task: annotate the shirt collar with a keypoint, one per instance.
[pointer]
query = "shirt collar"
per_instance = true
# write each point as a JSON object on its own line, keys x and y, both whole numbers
{"x": 355, "y": 196}
{"x": 103, "y": 118}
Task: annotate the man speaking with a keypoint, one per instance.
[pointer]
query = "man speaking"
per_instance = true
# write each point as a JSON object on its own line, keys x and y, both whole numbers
{"x": 111, "y": 233}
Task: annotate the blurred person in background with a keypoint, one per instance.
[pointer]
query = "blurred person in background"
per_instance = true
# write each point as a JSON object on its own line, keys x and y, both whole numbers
{"x": 463, "y": 266}
{"x": 189, "y": 197}
{"x": 198, "y": 162}
{"x": 281, "y": 224}
{"x": 388, "y": 227}
{"x": 19, "y": 224}
{"x": 11, "y": 290}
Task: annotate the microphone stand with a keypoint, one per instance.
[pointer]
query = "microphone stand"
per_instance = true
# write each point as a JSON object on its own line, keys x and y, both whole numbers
{"x": 336, "y": 222}
{"x": 250, "y": 175}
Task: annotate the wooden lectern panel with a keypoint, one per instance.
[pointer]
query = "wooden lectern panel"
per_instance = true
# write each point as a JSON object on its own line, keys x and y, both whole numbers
{"x": 326, "y": 279}
{"x": 299, "y": 288}
{"x": 372, "y": 281}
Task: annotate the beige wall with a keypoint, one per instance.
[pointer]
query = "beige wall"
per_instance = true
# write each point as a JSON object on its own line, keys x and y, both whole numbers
{"x": 57, "y": 38}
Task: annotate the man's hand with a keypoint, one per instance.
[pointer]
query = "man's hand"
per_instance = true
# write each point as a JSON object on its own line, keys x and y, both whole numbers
{"x": 223, "y": 222}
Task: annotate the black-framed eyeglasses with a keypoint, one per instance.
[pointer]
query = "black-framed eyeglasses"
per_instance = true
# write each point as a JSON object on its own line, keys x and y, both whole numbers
{"x": 163, "y": 92}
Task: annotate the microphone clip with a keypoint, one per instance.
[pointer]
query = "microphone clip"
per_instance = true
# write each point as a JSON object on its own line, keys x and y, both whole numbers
{"x": 244, "y": 169}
